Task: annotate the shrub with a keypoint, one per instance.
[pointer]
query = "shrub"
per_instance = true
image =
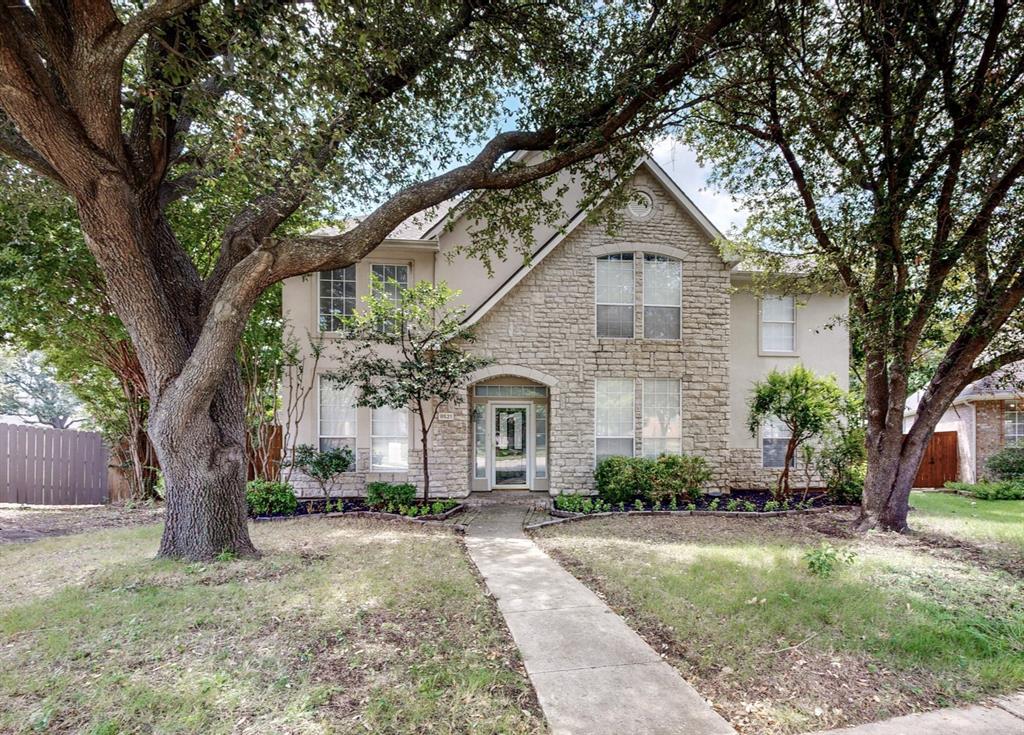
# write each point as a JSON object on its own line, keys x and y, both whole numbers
{"x": 826, "y": 559}
{"x": 390, "y": 495}
{"x": 842, "y": 464}
{"x": 621, "y": 479}
{"x": 1007, "y": 464}
{"x": 266, "y": 498}
{"x": 678, "y": 476}
{"x": 572, "y": 503}
{"x": 323, "y": 466}
{"x": 1004, "y": 490}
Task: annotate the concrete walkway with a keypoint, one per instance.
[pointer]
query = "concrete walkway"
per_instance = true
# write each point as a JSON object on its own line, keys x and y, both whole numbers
{"x": 593, "y": 674}
{"x": 1005, "y": 717}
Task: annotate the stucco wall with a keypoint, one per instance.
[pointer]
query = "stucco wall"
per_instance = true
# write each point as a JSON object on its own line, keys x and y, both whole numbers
{"x": 822, "y": 345}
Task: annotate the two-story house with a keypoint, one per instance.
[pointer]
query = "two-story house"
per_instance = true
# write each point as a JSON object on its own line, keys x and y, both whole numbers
{"x": 637, "y": 343}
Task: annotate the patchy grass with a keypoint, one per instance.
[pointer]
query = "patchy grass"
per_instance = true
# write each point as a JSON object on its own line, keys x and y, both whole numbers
{"x": 981, "y": 521}
{"x": 342, "y": 626}
{"x": 779, "y": 650}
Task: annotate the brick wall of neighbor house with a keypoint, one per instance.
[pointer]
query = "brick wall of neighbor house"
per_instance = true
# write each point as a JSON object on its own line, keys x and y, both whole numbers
{"x": 547, "y": 323}
{"x": 989, "y": 432}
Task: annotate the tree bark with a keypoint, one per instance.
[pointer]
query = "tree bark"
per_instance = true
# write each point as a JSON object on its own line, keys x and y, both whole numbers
{"x": 203, "y": 461}
{"x": 426, "y": 461}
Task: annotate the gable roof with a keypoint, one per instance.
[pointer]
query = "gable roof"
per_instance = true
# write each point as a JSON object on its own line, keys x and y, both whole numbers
{"x": 1007, "y": 383}
{"x": 574, "y": 221}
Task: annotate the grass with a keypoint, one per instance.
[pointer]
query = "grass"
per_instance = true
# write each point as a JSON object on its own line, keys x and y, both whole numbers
{"x": 342, "y": 626}
{"x": 983, "y": 521}
{"x": 779, "y": 650}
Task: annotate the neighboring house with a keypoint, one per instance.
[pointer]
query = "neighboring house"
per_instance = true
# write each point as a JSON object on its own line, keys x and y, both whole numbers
{"x": 987, "y": 416}
{"x": 636, "y": 343}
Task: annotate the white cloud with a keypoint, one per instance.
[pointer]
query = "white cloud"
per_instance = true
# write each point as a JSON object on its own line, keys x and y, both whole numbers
{"x": 680, "y": 162}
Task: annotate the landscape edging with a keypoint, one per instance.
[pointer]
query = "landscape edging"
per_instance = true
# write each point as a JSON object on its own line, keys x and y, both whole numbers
{"x": 564, "y": 516}
{"x": 427, "y": 520}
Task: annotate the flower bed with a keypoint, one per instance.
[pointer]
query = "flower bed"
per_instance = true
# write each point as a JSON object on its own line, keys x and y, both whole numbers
{"x": 435, "y": 510}
{"x": 742, "y": 501}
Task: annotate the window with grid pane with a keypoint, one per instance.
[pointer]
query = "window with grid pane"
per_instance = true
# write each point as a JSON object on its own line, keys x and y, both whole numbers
{"x": 389, "y": 440}
{"x": 337, "y": 297}
{"x": 662, "y": 431}
{"x": 774, "y": 439}
{"x": 614, "y": 295}
{"x": 778, "y": 324}
{"x": 337, "y": 415}
{"x": 663, "y": 295}
{"x": 1013, "y": 424}
{"x": 389, "y": 282}
{"x": 614, "y": 417}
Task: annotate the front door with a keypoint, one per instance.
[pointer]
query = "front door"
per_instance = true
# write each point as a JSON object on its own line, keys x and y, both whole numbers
{"x": 511, "y": 440}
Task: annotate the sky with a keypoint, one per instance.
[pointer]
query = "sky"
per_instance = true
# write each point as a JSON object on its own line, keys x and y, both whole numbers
{"x": 681, "y": 164}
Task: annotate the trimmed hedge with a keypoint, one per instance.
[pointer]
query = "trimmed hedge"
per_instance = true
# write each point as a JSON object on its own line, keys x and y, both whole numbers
{"x": 661, "y": 480}
{"x": 1007, "y": 464}
{"x": 268, "y": 498}
{"x": 1003, "y": 490}
{"x": 390, "y": 495}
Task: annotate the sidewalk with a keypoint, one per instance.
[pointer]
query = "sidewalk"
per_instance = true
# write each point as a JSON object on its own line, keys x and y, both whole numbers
{"x": 1004, "y": 717}
{"x": 592, "y": 673}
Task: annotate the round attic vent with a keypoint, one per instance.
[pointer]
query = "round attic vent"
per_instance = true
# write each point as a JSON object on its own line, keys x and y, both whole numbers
{"x": 641, "y": 204}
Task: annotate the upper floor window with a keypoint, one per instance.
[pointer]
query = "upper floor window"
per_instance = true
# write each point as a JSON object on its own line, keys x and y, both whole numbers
{"x": 613, "y": 417}
{"x": 614, "y": 295}
{"x": 337, "y": 415}
{"x": 1013, "y": 423}
{"x": 391, "y": 280}
{"x": 778, "y": 324}
{"x": 337, "y": 297}
{"x": 663, "y": 294}
{"x": 662, "y": 420}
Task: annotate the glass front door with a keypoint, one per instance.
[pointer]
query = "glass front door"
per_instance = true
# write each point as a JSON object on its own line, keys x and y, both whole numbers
{"x": 511, "y": 446}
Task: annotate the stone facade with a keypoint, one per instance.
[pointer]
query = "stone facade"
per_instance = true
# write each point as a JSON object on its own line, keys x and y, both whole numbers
{"x": 989, "y": 433}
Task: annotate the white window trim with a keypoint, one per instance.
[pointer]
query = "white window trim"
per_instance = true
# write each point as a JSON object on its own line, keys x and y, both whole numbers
{"x": 643, "y": 408}
{"x": 760, "y": 329}
{"x": 319, "y": 410}
{"x": 609, "y": 303}
{"x": 1018, "y": 439}
{"x": 760, "y": 440}
{"x": 408, "y": 443}
{"x": 644, "y": 305}
{"x": 632, "y": 409}
{"x": 316, "y": 301}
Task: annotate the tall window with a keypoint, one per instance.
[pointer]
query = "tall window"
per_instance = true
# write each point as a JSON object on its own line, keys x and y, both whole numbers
{"x": 337, "y": 415}
{"x": 663, "y": 294}
{"x": 389, "y": 441}
{"x": 614, "y": 417}
{"x": 662, "y": 424}
{"x": 480, "y": 441}
{"x": 614, "y": 295}
{"x": 1013, "y": 423}
{"x": 337, "y": 297}
{"x": 774, "y": 439}
{"x": 540, "y": 444}
{"x": 393, "y": 279}
{"x": 778, "y": 324}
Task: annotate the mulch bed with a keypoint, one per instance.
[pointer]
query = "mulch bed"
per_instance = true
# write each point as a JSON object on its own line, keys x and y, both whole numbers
{"x": 357, "y": 507}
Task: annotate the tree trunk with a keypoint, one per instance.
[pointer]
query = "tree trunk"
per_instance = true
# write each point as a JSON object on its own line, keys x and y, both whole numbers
{"x": 426, "y": 462}
{"x": 782, "y": 489}
{"x": 204, "y": 469}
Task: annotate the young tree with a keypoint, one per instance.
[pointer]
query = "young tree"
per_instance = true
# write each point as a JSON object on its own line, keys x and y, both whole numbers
{"x": 409, "y": 353}
{"x": 804, "y": 403}
{"x": 29, "y": 390}
{"x": 323, "y": 465}
{"x": 883, "y": 144}
{"x": 325, "y": 106}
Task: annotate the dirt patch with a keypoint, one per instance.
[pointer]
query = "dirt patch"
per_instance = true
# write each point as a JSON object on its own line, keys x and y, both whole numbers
{"x": 22, "y": 523}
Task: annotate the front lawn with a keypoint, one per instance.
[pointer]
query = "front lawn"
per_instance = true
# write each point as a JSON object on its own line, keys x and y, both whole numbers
{"x": 959, "y": 516}
{"x": 343, "y": 626}
{"x": 732, "y": 604}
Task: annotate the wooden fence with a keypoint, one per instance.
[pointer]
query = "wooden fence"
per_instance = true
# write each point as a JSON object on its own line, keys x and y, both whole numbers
{"x": 43, "y": 466}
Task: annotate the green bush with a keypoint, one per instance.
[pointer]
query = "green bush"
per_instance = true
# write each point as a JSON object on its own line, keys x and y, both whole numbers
{"x": 621, "y": 479}
{"x": 678, "y": 476}
{"x": 390, "y": 495}
{"x": 266, "y": 498}
{"x": 1003, "y": 490}
{"x": 842, "y": 464}
{"x": 1007, "y": 464}
{"x": 664, "y": 480}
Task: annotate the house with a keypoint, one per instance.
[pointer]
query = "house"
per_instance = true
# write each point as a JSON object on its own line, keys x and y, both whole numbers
{"x": 987, "y": 416}
{"x": 636, "y": 343}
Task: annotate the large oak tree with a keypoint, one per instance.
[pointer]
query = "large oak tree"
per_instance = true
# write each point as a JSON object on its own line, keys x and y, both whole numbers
{"x": 131, "y": 107}
{"x": 882, "y": 144}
